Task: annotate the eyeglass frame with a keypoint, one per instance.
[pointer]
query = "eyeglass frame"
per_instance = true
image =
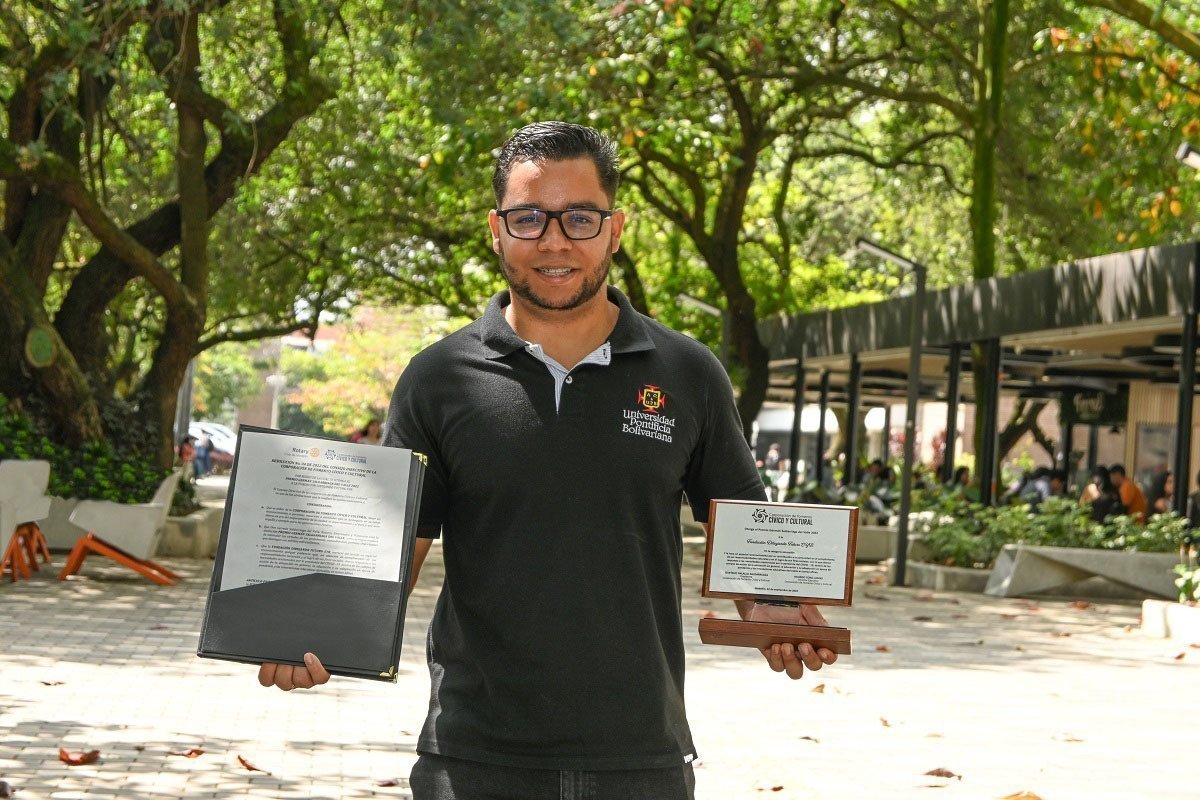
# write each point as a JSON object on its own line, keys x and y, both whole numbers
{"x": 503, "y": 213}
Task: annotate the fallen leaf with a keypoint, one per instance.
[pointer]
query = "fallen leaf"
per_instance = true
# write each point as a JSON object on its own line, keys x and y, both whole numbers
{"x": 1082, "y": 605}
{"x": 934, "y": 736}
{"x": 818, "y": 689}
{"x": 776, "y": 788}
{"x": 139, "y": 747}
{"x": 882, "y": 648}
{"x": 1010, "y": 616}
{"x": 1128, "y": 629}
{"x": 1180, "y": 656}
{"x": 810, "y": 739}
{"x": 922, "y": 619}
{"x": 1063, "y": 634}
{"x": 954, "y": 601}
{"x": 1028, "y": 606}
{"x": 250, "y": 766}
{"x": 876, "y": 580}
{"x": 52, "y": 683}
{"x": 1194, "y": 646}
{"x": 159, "y": 628}
{"x": 870, "y": 596}
{"x": 1020, "y": 648}
{"x": 1021, "y": 796}
{"x": 958, "y": 616}
{"x": 389, "y": 782}
{"x": 77, "y": 759}
{"x": 886, "y": 724}
{"x": 926, "y": 596}
{"x": 6, "y": 790}
{"x": 1068, "y": 738}
{"x": 192, "y": 753}
{"x": 942, "y": 772}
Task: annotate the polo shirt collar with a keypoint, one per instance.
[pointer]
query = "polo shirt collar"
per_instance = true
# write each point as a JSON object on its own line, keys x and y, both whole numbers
{"x": 499, "y": 339}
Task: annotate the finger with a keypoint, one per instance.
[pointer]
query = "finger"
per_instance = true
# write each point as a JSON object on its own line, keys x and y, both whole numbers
{"x": 792, "y": 664}
{"x": 808, "y": 654}
{"x": 316, "y": 669}
{"x": 301, "y": 679}
{"x": 774, "y": 657}
{"x": 283, "y": 678}
{"x": 266, "y": 674}
{"x": 826, "y": 655}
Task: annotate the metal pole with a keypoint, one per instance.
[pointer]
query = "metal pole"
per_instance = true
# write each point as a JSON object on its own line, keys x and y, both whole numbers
{"x": 952, "y": 392}
{"x": 1187, "y": 388}
{"x": 1067, "y": 435}
{"x": 887, "y": 433}
{"x": 853, "y": 401}
{"x": 988, "y": 417}
{"x": 797, "y": 408}
{"x": 1093, "y": 446}
{"x": 916, "y": 339}
{"x": 821, "y": 437}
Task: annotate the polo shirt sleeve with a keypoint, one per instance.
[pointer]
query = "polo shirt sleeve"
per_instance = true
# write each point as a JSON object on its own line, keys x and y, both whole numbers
{"x": 721, "y": 466}
{"x": 409, "y": 425}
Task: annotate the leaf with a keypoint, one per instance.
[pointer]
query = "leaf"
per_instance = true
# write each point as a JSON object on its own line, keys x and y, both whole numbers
{"x": 882, "y": 648}
{"x": 870, "y": 596}
{"x": 810, "y": 739}
{"x": 922, "y": 619}
{"x": 389, "y": 782}
{"x": 250, "y": 766}
{"x": 52, "y": 683}
{"x": 1082, "y": 605}
{"x": 1180, "y": 656}
{"x": 818, "y": 689}
{"x": 923, "y": 596}
{"x": 1063, "y": 634}
{"x": 192, "y": 753}
{"x": 942, "y": 772}
{"x": 1021, "y": 796}
{"x": 886, "y": 724}
{"x": 1010, "y": 616}
{"x": 77, "y": 759}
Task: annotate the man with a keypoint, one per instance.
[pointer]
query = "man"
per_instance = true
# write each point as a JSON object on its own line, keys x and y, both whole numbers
{"x": 1131, "y": 496}
{"x": 562, "y": 429}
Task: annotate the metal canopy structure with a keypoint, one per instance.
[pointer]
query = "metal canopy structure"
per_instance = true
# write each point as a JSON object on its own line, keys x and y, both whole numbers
{"x": 1089, "y": 325}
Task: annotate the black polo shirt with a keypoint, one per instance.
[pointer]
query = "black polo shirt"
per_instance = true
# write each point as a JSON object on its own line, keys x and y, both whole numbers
{"x": 557, "y": 640}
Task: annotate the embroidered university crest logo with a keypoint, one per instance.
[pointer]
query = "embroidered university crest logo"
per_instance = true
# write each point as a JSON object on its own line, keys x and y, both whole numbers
{"x": 652, "y": 398}
{"x": 649, "y": 420}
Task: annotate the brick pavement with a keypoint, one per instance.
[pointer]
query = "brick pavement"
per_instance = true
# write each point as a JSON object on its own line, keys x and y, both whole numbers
{"x": 1013, "y": 696}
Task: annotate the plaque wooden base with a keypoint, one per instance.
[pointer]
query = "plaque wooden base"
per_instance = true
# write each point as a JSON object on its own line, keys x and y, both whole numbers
{"x": 742, "y": 633}
{"x": 763, "y": 627}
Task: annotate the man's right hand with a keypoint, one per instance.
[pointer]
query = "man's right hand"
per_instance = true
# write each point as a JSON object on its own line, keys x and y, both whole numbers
{"x": 288, "y": 676}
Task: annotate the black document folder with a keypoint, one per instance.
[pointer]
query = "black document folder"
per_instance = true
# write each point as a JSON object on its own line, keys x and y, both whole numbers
{"x": 354, "y": 625}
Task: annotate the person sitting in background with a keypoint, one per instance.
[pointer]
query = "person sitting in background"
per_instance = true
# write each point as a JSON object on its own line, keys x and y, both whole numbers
{"x": 1131, "y": 496}
{"x": 1046, "y": 483}
{"x": 186, "y": 453}
{"x": 1193, "y": 505}
{"x": 1101, "y": 496}
{"x": 961, "y": 479}
{"x": 1162, "y": 494}
{"x": 367, "y": 434}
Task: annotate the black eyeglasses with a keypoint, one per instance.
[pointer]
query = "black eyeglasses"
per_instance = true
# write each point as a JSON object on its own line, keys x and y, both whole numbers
{"x": 529, "y": 222}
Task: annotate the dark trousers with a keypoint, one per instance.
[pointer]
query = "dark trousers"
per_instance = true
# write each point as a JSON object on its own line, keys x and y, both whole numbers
{"x": 441, "y": 778}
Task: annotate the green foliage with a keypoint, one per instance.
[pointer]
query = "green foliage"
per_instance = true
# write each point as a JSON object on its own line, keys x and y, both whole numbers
{"x": 225, "y": 379}
{"x": 94, "y": 472}
{"x": 1188, "y": 583}
{"x": 957, "y": 532}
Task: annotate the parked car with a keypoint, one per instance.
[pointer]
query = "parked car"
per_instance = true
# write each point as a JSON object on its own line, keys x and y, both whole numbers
{"x": 222, "y": 443}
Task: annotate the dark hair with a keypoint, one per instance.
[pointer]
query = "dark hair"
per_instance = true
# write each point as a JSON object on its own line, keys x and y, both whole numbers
{"x": 1117, "y": 469}
{"x": 965, "y": 473}
{"x": 1158, "y": 489}
{"x": 1100, "y": 474}
{"x": 557, "y": 141}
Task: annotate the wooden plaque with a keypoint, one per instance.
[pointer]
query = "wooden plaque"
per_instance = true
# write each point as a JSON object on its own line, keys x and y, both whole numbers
{"x": 779, "y": 555}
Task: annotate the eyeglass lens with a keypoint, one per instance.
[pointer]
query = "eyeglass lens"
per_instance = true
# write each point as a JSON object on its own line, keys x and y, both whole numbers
{"x": 531, "y": 223}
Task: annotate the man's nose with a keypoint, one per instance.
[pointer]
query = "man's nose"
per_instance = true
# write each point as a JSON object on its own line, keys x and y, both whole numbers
{"x": 555, "y": 238}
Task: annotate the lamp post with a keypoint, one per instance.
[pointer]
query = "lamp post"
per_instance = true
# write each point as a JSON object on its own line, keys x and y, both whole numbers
{"x": 686, "y": 299}
{"x": 916, "y": 339}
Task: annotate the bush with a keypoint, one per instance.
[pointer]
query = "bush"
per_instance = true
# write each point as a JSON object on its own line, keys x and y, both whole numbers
{"x": 957, "y": 532}
{"x": 93, "y": 472}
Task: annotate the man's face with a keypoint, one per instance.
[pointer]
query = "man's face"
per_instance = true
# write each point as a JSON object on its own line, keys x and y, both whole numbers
{"x": 1117, "y": 479}
{"x": 555, "y": 273}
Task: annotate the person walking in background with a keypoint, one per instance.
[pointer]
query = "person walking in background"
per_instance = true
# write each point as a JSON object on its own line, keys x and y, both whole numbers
{"x": 1161, "y": 498}
{"x": 1131, "y": 496}
{"x": 1193, "y": 506}
{"x": 368, "y": 434}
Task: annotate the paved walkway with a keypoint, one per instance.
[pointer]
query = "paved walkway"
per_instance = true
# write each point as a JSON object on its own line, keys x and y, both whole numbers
{"x": 1048, "y": 698}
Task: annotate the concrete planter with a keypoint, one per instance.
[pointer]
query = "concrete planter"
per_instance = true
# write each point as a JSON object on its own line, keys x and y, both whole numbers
{"x": 60, "y": 533}
{"x": 923, "y": 575}
{"x": 1177, "y": 621}
{"x": 193, "y": 536}
{"x": 875, "y": 543}
{"x": 1027, "y": 569}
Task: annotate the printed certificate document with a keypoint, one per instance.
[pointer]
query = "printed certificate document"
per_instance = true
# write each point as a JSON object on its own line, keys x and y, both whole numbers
{"x": 315, "y": 554}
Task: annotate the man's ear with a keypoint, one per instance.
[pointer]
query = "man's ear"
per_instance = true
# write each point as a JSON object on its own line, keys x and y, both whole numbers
{"x": 618, "y": 226}
{"x": 494, "y": 225}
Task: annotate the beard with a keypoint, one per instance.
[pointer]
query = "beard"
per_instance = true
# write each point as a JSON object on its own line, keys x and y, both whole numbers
{"x": 593, "y": 281}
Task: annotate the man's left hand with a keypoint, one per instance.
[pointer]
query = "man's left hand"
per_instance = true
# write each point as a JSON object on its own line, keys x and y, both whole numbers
{"x": 793, "y": 659}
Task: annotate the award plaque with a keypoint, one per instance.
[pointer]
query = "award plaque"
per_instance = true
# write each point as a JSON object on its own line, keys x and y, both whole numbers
{"x": 779, "y": 556}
